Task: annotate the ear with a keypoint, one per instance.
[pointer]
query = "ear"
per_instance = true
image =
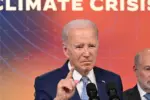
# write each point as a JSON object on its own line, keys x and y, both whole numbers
{"x": 134, "y": 68}
{"x": 65, "y": 50}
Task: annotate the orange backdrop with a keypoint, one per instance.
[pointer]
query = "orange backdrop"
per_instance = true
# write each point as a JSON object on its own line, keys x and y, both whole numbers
{"x": 121, "y": 35}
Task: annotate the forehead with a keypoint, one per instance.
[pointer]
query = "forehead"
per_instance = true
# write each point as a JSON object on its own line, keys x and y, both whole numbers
{"x": 145, "y": 58}
{"x": 82, "y": 34}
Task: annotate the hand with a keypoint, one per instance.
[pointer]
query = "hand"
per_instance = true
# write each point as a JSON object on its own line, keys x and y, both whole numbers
{"x": 66, "y": 87}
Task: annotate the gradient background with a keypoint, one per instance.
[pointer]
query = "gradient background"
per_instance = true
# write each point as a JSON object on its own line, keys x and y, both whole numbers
{"x": 30, "y": 45}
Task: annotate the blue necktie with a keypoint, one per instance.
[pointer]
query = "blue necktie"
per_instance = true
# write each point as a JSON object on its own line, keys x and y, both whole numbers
{"x": 84, "y": 95}
{"x": 147, "y": 96}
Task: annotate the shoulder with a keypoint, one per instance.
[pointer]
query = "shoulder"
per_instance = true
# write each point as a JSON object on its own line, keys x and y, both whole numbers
{"x": 105, "y": 72}
{"x": 108, "y": 76}
{"x": 129, "y": 91}
{"x": 131, "y": 94}
{"x": 50, "y": 74}
{"x": 54, "y": 75}
{"x": 48, "y": 79}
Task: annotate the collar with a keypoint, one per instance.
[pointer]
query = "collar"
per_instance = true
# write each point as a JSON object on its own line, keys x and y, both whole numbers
{"x": 77, "y": 76}
{"x": 141, "y": 91}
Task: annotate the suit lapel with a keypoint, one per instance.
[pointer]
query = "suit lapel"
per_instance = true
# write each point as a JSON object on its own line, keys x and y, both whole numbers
{"x": 101, "y": 90}
{"x": 134, "y": 94}
{"x": 100, "y": 84}
{"x": 64, "y": 69}
{"x": 76, "y": 96}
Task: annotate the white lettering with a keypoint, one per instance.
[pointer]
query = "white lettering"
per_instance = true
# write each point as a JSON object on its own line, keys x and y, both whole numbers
{"x": 76, "y": 5}
{"x": 63, "y": 4}
{"x": 111, "y": 4}
{"x": 93, "y": 6}
{"x": 132, "y": 5}
{"x": 1, "y": 7}
{"x": 9, "y": 7}
{"x": 20, "y": 5}
{"x": 50, "y": 4}
{"x": 34, "y": 5}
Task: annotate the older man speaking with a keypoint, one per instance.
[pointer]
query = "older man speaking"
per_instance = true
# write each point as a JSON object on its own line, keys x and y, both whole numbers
{"x": 80, "y": 46}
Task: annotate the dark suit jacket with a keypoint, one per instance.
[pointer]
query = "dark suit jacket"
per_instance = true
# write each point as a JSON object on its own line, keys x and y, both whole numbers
{"x": 46, "y": 85}
{"x": 132, "y": 94}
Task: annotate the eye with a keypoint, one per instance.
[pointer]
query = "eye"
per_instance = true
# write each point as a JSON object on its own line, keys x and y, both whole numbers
{"x": 92, "y": 45}
{"x": 147, "y": 68}
{"x": 79, "y": 46}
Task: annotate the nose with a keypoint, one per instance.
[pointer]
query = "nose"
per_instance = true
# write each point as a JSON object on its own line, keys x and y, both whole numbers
{"x": 86, "y": 52}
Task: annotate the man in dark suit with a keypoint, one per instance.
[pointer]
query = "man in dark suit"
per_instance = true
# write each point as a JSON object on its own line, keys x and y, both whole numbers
{"x": 141, "y": 91}
{"x": 80, "y": 46}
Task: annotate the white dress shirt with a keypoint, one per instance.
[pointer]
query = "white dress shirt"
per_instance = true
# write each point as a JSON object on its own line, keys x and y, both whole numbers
{"x": 141, "y": 91}
{"x": 77, "y": 76}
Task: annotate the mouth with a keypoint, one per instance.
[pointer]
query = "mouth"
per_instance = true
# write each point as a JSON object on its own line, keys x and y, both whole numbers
{"x": 148, "y": 82}
{"x": 86, "y": 61}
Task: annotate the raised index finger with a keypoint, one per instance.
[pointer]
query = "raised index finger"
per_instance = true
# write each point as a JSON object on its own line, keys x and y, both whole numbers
{"x": 70, "y": 74}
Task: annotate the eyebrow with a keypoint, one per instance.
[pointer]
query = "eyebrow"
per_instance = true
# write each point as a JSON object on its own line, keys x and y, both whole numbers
{"x": 147, "y": 66}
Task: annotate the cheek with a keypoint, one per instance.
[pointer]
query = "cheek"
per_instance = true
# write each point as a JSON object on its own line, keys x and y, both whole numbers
{"x": 143, "y": 76}
{"x": 75, "y": 55}
{"x": 95, "y": 52}
{"x": 94, "y": 55}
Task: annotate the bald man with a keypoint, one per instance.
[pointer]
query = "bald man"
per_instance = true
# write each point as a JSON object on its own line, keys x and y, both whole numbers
{"x": 80, "y": 46}
{"x": 142, "y": 70}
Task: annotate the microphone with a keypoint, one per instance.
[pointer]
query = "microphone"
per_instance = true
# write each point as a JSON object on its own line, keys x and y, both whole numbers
{"x": 92, "y": 91}
{"x": 112, "y": 91}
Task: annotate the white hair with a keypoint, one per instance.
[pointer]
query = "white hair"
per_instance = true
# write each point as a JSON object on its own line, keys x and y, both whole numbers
{"x": 78, "y": 23}
{"x": 138, "y": 56}
{"x": 136, "y": 59}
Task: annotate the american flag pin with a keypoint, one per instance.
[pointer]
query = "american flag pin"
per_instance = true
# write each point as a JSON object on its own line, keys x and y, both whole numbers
{"x": 103, "y": 81}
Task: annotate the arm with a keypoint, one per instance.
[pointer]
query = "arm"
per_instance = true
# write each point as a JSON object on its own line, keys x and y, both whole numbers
{"x": 40, "y": 93}
{"x": 64, "y": 91}
{"x": 120, "y": 92}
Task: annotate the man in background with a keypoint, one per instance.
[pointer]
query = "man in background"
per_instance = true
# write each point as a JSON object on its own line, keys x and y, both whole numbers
{"x": 141, "y": 91}
{"x": 80, "y": 46}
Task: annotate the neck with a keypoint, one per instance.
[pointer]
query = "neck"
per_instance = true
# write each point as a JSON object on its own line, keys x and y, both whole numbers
{"x": 147, "y": 90}
{"x": 83, "y": 73}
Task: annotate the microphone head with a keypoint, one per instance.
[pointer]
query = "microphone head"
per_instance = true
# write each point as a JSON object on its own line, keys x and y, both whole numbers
{"x": 111, "y": 88}
{"x": 111, "y": 91}
{"x": 91, "y": 90}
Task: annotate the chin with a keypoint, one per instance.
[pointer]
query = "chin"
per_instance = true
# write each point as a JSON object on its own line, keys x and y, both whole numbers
{"x": 87, "y": 68}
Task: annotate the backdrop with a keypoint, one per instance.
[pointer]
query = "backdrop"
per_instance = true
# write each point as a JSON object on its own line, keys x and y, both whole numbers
{"x": 30, "y": 45}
